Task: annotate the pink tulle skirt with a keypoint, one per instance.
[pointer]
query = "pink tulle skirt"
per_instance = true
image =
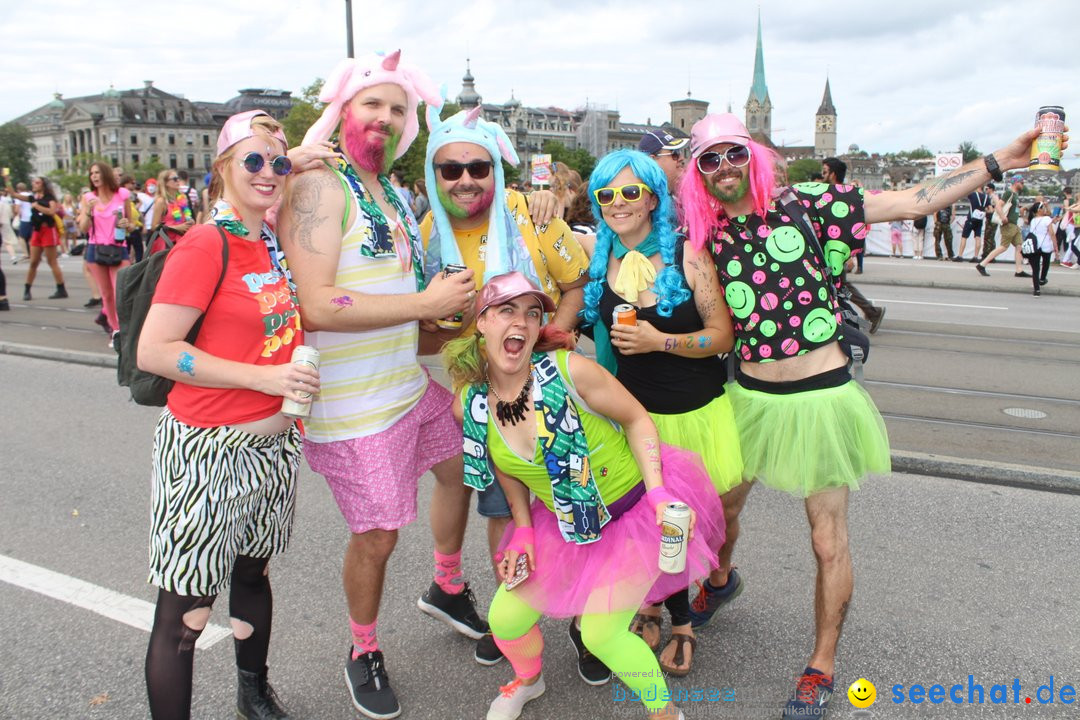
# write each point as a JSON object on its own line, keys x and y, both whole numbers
{"x": 621, "y": 571}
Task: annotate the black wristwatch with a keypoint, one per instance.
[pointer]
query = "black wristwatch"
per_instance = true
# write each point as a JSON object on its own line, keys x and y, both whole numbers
{"x": 993, "y": 168}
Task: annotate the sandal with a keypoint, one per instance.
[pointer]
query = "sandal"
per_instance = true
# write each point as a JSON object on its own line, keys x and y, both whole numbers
{"x": 642, "y": 621}
{"x": 681, "y": 640}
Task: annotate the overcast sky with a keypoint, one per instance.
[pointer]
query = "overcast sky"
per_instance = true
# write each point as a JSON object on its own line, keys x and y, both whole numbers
{"x": 903, "y": 74}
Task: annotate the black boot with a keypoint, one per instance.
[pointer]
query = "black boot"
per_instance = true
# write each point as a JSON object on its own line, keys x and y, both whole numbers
{"x": 4, "y": 305}
{"x": 26, "y": 293}
{"x": 60, "y": 293}
{"x": 255, "y": 699}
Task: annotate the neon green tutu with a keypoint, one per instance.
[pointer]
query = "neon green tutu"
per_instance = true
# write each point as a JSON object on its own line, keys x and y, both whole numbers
{"x": 710, "y": 431}
{"x": 810, "y": 441}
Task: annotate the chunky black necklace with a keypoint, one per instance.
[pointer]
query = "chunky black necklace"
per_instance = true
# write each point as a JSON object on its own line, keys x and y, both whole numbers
{"x": 512, "y": 412}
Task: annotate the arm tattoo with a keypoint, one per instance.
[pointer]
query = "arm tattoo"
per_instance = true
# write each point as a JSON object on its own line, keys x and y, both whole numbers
{"x": 341, "y": 302}
{"x": 933, "y": 188}
{"x": 304, "y": 205}
{"x": 186, "y": 364}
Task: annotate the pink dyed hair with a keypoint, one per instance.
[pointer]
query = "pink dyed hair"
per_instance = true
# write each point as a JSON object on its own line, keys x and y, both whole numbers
{"x": 701, "y": 211}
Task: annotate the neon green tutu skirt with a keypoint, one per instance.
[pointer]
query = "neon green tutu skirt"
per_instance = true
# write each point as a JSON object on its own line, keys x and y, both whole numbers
{"x": 710, "y": 431}
{"x": 810, "y": 441}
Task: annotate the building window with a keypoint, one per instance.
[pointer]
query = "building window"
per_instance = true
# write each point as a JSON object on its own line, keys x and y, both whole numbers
{"x": 187, "y": 116}
{"x": 206, "y": 161}
{"x": 206, "y": 140}
{"x": 151, "y": 115}
{"x": 170, "y": 116}
{"x": 134, "y": 140}
{"x": 189, "y": 139}
{"x": 172, "y": 160}
{"x": 134, "y": 158}
{"x": 172, "y": 139}
{"x": 153, "y": 139}
{"x": 190, "y": 162}
{"x": 112, "y": 111}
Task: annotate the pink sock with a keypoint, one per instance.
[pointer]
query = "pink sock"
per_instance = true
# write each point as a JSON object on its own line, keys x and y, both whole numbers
{"x": 525, "y": 653}
{"x": 364, "y": 640}
{"x": 448, "y": 572}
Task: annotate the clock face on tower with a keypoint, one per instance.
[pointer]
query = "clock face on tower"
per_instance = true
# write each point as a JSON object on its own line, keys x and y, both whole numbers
{"x": 825, "y": 122}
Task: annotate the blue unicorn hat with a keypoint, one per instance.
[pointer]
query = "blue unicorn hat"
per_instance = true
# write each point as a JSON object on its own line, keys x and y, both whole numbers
{"x": 468, "y": 126}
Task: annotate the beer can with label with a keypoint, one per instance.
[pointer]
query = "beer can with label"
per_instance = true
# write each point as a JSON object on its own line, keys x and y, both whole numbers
{"x": 674, "y": 529}
{"x": 454, "y": 321}
{"x": 305, "y": 355}
{"x": 624, "y": 315}
{"x": 1046, "y": 149}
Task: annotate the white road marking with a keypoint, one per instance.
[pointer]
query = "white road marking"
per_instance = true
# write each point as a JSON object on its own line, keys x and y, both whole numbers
{"x": 916, "y": 302}
{"x": 113, "y": 605}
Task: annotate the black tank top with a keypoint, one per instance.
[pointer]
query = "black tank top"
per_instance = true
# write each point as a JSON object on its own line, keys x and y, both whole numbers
{"x": 665, "y": 383}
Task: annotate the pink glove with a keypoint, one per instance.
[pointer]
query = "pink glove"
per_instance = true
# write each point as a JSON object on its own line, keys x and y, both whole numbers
{"x": 522, "y": 536}
{"x": 659, "y": 495}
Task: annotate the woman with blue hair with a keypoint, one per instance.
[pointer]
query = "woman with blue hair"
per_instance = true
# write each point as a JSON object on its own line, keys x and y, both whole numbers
{"x": 669, "y": 360}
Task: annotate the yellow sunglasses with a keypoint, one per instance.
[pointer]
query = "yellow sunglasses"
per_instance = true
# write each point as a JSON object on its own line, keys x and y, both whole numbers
{"x": 630, "y": 193}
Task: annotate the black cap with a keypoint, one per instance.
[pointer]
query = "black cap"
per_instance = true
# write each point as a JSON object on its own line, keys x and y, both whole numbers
{"x": 653, "y": 141}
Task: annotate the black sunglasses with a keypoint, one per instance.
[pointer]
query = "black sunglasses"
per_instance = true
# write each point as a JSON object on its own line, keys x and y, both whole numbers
{"x": 253, "y": 162}
{"x": 478, "y": 169}
{"x": 710, "y": 162}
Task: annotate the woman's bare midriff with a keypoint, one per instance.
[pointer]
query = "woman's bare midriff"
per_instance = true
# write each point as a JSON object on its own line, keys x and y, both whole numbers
{"x": 822, "y": 359}
{"x": 276, "y": 423}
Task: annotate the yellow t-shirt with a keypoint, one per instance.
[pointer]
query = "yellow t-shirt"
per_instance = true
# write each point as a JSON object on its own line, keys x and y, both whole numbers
{"x": 556, "y": 255}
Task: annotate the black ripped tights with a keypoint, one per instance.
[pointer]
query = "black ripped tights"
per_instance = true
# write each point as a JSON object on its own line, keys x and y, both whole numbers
{"x": 171, "y": 654}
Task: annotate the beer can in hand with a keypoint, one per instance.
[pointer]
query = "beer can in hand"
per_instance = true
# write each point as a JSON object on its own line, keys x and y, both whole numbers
{"x": 674, "y": 531}
{"x": 1046, "y": 149}
{"x": 453, "y": 322}
{"x": 624, "y": 315}
{"x": 304, "y": 355}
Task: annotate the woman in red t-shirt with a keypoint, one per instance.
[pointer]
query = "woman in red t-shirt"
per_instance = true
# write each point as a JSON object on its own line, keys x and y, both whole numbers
{"x": 225, "y": 458}
{"x": 103, "y": 217}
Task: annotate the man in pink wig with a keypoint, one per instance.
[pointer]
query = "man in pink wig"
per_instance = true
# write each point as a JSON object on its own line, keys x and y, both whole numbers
{"x": 804, "y": 427}
{"x": 378, "y": 423}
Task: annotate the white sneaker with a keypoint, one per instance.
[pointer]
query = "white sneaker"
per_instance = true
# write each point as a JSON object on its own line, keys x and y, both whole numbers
{"x": 513, "y": 698}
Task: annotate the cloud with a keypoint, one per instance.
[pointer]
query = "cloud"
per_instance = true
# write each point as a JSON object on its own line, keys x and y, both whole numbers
{"x": 903, "y": 74}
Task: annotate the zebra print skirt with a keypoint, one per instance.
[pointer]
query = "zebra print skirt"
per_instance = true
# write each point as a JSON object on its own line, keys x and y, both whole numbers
{"x": 217, "y": 493}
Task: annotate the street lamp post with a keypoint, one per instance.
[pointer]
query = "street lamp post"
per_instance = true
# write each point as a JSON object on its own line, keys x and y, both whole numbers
{"x": 348, "y": 26}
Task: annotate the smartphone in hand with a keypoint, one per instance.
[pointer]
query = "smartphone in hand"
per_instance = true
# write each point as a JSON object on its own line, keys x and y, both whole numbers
{"x": 521, "y": 572}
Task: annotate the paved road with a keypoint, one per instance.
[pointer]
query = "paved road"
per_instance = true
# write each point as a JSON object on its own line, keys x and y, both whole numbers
{"x": 953, "y": 578}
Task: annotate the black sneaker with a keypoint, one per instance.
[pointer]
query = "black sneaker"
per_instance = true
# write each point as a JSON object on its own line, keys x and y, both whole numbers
{"x": 369, "y": 686}
{"x": 982, "y": 271}
{"x": 1021, "y": 274}
{"x": 457, "y": 611}
{"x": 92, "y": 303}
{"x": 4, "y": 305}
{"x": 589, "y": 667}
{"x": 811, "y": 697}
{"x": 487, "y": 652}
{"x": 104, "y": 323}
{"x": 710, "y": 599}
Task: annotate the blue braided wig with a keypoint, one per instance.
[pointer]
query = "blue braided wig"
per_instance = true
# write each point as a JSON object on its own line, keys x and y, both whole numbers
{"x": 670, "y": 288}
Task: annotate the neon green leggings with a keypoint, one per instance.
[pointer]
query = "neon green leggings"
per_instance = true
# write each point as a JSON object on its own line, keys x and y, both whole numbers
{"x": 608, "y": 637}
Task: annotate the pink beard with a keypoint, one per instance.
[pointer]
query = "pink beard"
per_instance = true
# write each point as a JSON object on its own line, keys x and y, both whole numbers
{"x": 369, "y": 154}
{"x": 481, "y": 204}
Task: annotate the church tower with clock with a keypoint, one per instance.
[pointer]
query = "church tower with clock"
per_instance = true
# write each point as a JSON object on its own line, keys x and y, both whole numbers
{"x": 825, "y": 126}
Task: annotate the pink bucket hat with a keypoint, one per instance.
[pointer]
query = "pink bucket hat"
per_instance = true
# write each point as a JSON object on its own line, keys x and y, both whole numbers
{"x": 238, "y": 127}
{"x": 351, "y": 76}
{"x": 717, "y": 128}
{"x": 508, "y": 286}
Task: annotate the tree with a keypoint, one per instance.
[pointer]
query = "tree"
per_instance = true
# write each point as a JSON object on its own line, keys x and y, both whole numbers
{"x": 75, "y": 178}
{"x": 969, "y": 151}
{"x": 919, "y": 153}
{"x": 578, "y": 158}
{"x": 16, "y": 148}
{"x": 304, "y": 112}
{"x": 801, "y": 170}
{"x": 147, "y": 170}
